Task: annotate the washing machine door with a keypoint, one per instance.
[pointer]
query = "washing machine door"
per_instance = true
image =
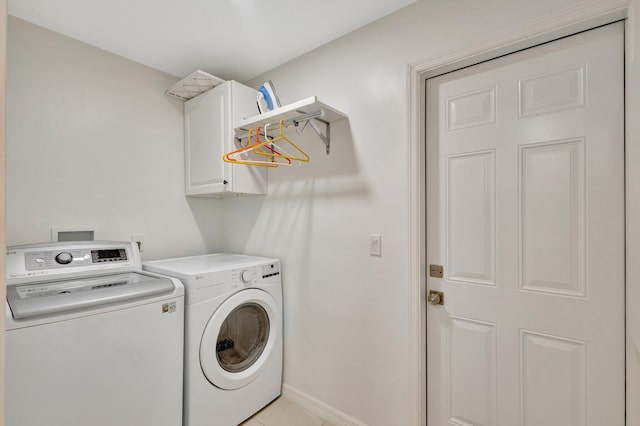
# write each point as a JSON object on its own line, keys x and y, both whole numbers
{"x": 239, "y": 338}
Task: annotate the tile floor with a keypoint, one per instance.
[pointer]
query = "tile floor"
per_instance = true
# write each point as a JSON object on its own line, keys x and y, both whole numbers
{"x": 283, "y": 412}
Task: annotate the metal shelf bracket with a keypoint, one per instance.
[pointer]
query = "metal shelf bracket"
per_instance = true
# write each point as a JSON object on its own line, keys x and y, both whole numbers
{"x": 312, "y": 119}
{"x": 325, "y": 136}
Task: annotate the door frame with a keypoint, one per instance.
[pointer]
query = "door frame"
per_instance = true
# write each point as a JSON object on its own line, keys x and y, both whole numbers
{"x": 3, "y": 66}
{"x": 563, "y": 22}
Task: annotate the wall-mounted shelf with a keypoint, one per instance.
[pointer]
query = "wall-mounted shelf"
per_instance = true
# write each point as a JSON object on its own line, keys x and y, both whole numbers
{"x": 307, "y": 111}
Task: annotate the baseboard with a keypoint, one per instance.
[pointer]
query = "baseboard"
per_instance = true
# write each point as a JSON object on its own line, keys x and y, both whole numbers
{"x": 318, "y": 407}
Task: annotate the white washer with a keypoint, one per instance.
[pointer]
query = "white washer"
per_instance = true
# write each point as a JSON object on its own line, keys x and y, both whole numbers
{"x": 90, "y": 338}
{"x": 233, "y": 335}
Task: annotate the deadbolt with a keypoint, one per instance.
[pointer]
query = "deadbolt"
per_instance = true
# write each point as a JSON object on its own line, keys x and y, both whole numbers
{"x": 436, "y": 271}
{"x": 435, "y": 297}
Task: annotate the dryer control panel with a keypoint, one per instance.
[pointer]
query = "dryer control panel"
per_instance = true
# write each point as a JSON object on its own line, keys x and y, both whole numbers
{"x": 271, "y": 270}
{"x": 250, "y": 276}
{"x": 244, "y": 276}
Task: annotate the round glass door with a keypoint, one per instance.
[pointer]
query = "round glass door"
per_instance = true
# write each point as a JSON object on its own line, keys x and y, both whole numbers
{"x": 238, "y": 340}
{"x": 243, "y": 337}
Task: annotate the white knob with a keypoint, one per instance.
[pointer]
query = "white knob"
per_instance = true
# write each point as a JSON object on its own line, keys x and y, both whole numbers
{"x": 246, "y": 276}
{"x": 64, "y": 258}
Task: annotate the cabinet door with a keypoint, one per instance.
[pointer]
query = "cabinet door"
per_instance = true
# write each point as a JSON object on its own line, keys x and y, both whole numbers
{"x": 207, "y": 126}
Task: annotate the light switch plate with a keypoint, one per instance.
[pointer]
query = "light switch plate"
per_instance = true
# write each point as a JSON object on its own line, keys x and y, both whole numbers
{"x": 375, "y": 245}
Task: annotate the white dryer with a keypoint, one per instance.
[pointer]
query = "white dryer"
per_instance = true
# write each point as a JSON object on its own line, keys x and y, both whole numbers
{"x": 233, "y": 335}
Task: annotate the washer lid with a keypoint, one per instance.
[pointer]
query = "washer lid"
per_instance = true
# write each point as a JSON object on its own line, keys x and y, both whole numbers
{"x": 45, "y": 298}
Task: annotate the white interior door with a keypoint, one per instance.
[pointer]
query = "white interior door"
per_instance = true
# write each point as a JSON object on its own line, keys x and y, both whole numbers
{"x": 525, "y": 212}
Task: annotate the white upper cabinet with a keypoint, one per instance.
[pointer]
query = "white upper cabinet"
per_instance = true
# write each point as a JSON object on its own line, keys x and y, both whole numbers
{"x": 209, "y": 134}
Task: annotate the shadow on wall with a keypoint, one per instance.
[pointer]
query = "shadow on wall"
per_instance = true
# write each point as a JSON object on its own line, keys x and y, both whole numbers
{"x": 255, "y": 225}
{"x": 207, "y": 213}
{"x": 278, "y": 225}
{"x": 340, "y": 162}
{"x": 288, "y": 223}
{"x": 301, "y": 203}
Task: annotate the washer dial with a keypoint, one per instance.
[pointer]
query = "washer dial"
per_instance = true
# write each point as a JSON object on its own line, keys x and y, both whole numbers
{"x": 64, "y": 258}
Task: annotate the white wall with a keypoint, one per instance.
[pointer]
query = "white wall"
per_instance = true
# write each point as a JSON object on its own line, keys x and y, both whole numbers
{"x": 346, "y": 313}
{"x": 633, "y": 214}
{"x": 93, "y": 141}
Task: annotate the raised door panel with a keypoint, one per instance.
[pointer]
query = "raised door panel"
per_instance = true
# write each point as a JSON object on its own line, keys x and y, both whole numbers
{"x": 553, "y": 91}
{"x": 471, "y": 380}
{"x": 553, "y": 386}
{"x": 206, "y": 129}
{"x": 552, "y": 217}
{"x": 471, "y": 109}
{"x": 471, "y": 217}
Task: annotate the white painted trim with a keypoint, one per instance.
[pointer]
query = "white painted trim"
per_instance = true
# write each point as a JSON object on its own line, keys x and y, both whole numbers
{"x": 632, "y": 219}
{"x": 562, "y": 22}
{"x": 318, "y": 407}
{"x": 570, "y": 20}
{"x": 3, "y": 122}
{"x": 417, "y": 396}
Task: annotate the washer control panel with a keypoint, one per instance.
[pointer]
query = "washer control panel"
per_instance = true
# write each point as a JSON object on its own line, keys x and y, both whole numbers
{"x": 48, "y": 259}
{"x": 58, "y": 260}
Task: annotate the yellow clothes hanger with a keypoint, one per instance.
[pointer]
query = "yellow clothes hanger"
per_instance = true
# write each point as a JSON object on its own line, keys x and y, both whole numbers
{"x": 271, "y": 152}
{"x": 274, "y": 149}
{"x": 234, "y": 156}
